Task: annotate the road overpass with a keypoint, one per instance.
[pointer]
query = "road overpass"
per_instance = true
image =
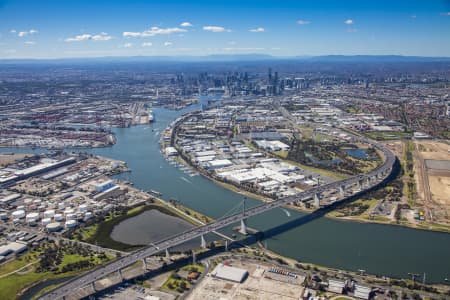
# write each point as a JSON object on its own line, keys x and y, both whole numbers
{"x": 362, "y": 182}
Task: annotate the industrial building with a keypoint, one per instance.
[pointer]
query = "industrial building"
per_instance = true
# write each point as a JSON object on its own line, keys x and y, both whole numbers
{"x": 230, "y": 273}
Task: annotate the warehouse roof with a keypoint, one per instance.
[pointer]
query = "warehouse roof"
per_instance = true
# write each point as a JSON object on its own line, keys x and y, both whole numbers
{"x": 230, "y": 273}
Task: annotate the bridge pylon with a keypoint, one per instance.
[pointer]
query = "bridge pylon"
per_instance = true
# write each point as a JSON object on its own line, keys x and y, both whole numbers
{"x": 202, "y": 242}
{"x": 342, "y": 190}
{"x": 317, "y": 200}
{"x": 167, "y": 254}
{"x": 243, "y": 228}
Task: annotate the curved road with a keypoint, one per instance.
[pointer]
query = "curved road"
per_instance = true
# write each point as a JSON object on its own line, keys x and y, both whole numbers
{"x": 364, "y": 181}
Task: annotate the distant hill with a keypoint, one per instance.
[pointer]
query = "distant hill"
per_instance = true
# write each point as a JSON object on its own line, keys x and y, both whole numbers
{"x": 234, "y": 58}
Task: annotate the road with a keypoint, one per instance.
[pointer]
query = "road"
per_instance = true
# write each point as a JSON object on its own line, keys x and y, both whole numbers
{"x": 372, "y": 178}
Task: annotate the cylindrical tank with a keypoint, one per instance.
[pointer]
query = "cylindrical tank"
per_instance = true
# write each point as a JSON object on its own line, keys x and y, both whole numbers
{"x": 52, "y": 227}
{"x": 71, "y": 224}
{"x": 61, "y": 205}
{"x": 46, "y": 221}
{"x": 37, "y": 202}
{"x": 3, "y": 216}
{"x": 68, "y": 211}
{"x": 71, "y": 217}
{"x": 58, "y": 217}
{"x": 20, "y": 207}
{"x": 27, "y": 201}
{"x": 32, "y": 217}
{"x": 83, "y": 208}
{"x": 49, "y": 213}
{"x": 18, "y": 214}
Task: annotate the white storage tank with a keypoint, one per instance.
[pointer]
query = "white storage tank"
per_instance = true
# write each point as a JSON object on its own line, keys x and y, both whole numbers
{"x": 3, "y": 216}
{"x": 18, "y": 214}
{"x": 32, "y": 217}
{"x": 83, "y": 208}
{"x": 71, "y": 224}
{"x": 49, "y": 213}
{"x": 58, "y": 217}
{"x": 71, "y": 217}
{"x": 41, "y": 207}
{"x": 61, "y": 205}
{"x": 52, "y": 227}
{"x": 68, "y": 211}
{"x": 37, "y": 202}
{"x": 46, "y": 221}
{"x": 20, "y": 207}
{"x": 27, "y": 201}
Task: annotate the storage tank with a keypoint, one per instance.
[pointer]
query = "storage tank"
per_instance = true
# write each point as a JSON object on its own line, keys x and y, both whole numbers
{"x": 83, "y": 208}
{"x": 32, "y": 217}
{"x": 18, "y": 214}
{"x": 71, "y": 217}
{"x": 41, "y": 207}
{"x": 61, "y": 205}
{"x": 71, "y": 224}
{"x": 27, "y": 201}
{"x": 88, "y": 215}
{"x": 49, "y": 213}
{"x": 46, "y": 221}
{"x": 3, "y": 216}
{"x": 37, "y": 202}
{"x": 52, "y": 227}
{"x": 58, "y": 217}
{"x": 21, "y": 207}
{"x": 68, "y": 211}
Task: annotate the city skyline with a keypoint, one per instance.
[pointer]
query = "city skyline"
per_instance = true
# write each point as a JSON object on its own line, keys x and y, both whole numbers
{"x": 55, "y": 29}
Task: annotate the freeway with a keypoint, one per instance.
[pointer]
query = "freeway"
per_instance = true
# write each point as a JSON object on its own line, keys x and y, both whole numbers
{"x": 373, "y": 178}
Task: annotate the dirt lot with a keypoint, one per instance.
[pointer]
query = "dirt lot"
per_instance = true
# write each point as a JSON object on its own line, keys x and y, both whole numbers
{"x": 256, "y": 286}
{"x": 434, "y": 150}
{"x": 433, "y": 185}
{"x": 6, "y": 159}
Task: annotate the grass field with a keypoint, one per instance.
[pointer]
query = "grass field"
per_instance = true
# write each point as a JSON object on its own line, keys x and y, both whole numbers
{"x": 388, "y": 135}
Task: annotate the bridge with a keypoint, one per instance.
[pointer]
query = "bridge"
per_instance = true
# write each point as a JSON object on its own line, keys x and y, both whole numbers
{"x": 361, "y": 182}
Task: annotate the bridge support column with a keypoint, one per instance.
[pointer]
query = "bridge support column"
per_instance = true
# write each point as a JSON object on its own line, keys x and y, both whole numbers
{"x": 342, "y": 190}
{"x": 144, "y": 264}
{"x": 368, "y": 180}
{"x": 120, "y": 274}
{"x": 167, "y": 253}
{"x": 243, "y": 229}
{"x": 226, "y": 245}
{"x": 360, "y": 185}
{"x": 317, "y": 200}
{"x": 202, "y": 242}
{"x": 93, "y": 286}
{"x": 194, "y": 258}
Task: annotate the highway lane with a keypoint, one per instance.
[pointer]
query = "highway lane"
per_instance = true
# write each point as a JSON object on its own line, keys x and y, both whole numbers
{"x": 154, "y": 248}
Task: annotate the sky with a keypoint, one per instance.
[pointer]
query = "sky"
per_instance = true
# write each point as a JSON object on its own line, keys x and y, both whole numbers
{"x": 88, "y": 28}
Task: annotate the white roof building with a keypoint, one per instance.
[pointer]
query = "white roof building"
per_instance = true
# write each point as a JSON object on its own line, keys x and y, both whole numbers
{"x": 229, "y": 273}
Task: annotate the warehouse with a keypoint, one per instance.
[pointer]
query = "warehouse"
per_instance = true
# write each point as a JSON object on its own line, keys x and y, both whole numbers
{"x": 230, "y": 273}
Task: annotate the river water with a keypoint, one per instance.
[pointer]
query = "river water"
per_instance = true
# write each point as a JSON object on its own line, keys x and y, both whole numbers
{"x": 379, "y": 249}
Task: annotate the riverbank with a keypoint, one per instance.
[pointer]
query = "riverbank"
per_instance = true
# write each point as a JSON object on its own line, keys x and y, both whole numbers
{"x": 100, "y": 233}
{"x": 357, "y": 219}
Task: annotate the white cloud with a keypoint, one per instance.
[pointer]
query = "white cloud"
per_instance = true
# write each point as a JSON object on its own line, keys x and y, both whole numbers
{"x": 259, "y": 29}
{"x": 154, "y": 31}
{"x": 24, "y": 33}
{"x": 127, "y": 45}
{"x": 29, "y": 43}
{"x": 349, "y": 22}
{"x": 103, "y": 36}
{"x": 186, "y": 24}
{"x": 215, "y": 28}
{"x": 167, "y": 44}
{"x": 146, "y": 44}
{"x": 446, "y": 14}
{"x": 352, "y": 30}
{"x": 242, "y": 49}
{"x": 303, "y": 22}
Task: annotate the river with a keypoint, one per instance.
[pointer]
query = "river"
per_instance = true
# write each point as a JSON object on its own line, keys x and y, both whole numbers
{"x": 379, "y": 249}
